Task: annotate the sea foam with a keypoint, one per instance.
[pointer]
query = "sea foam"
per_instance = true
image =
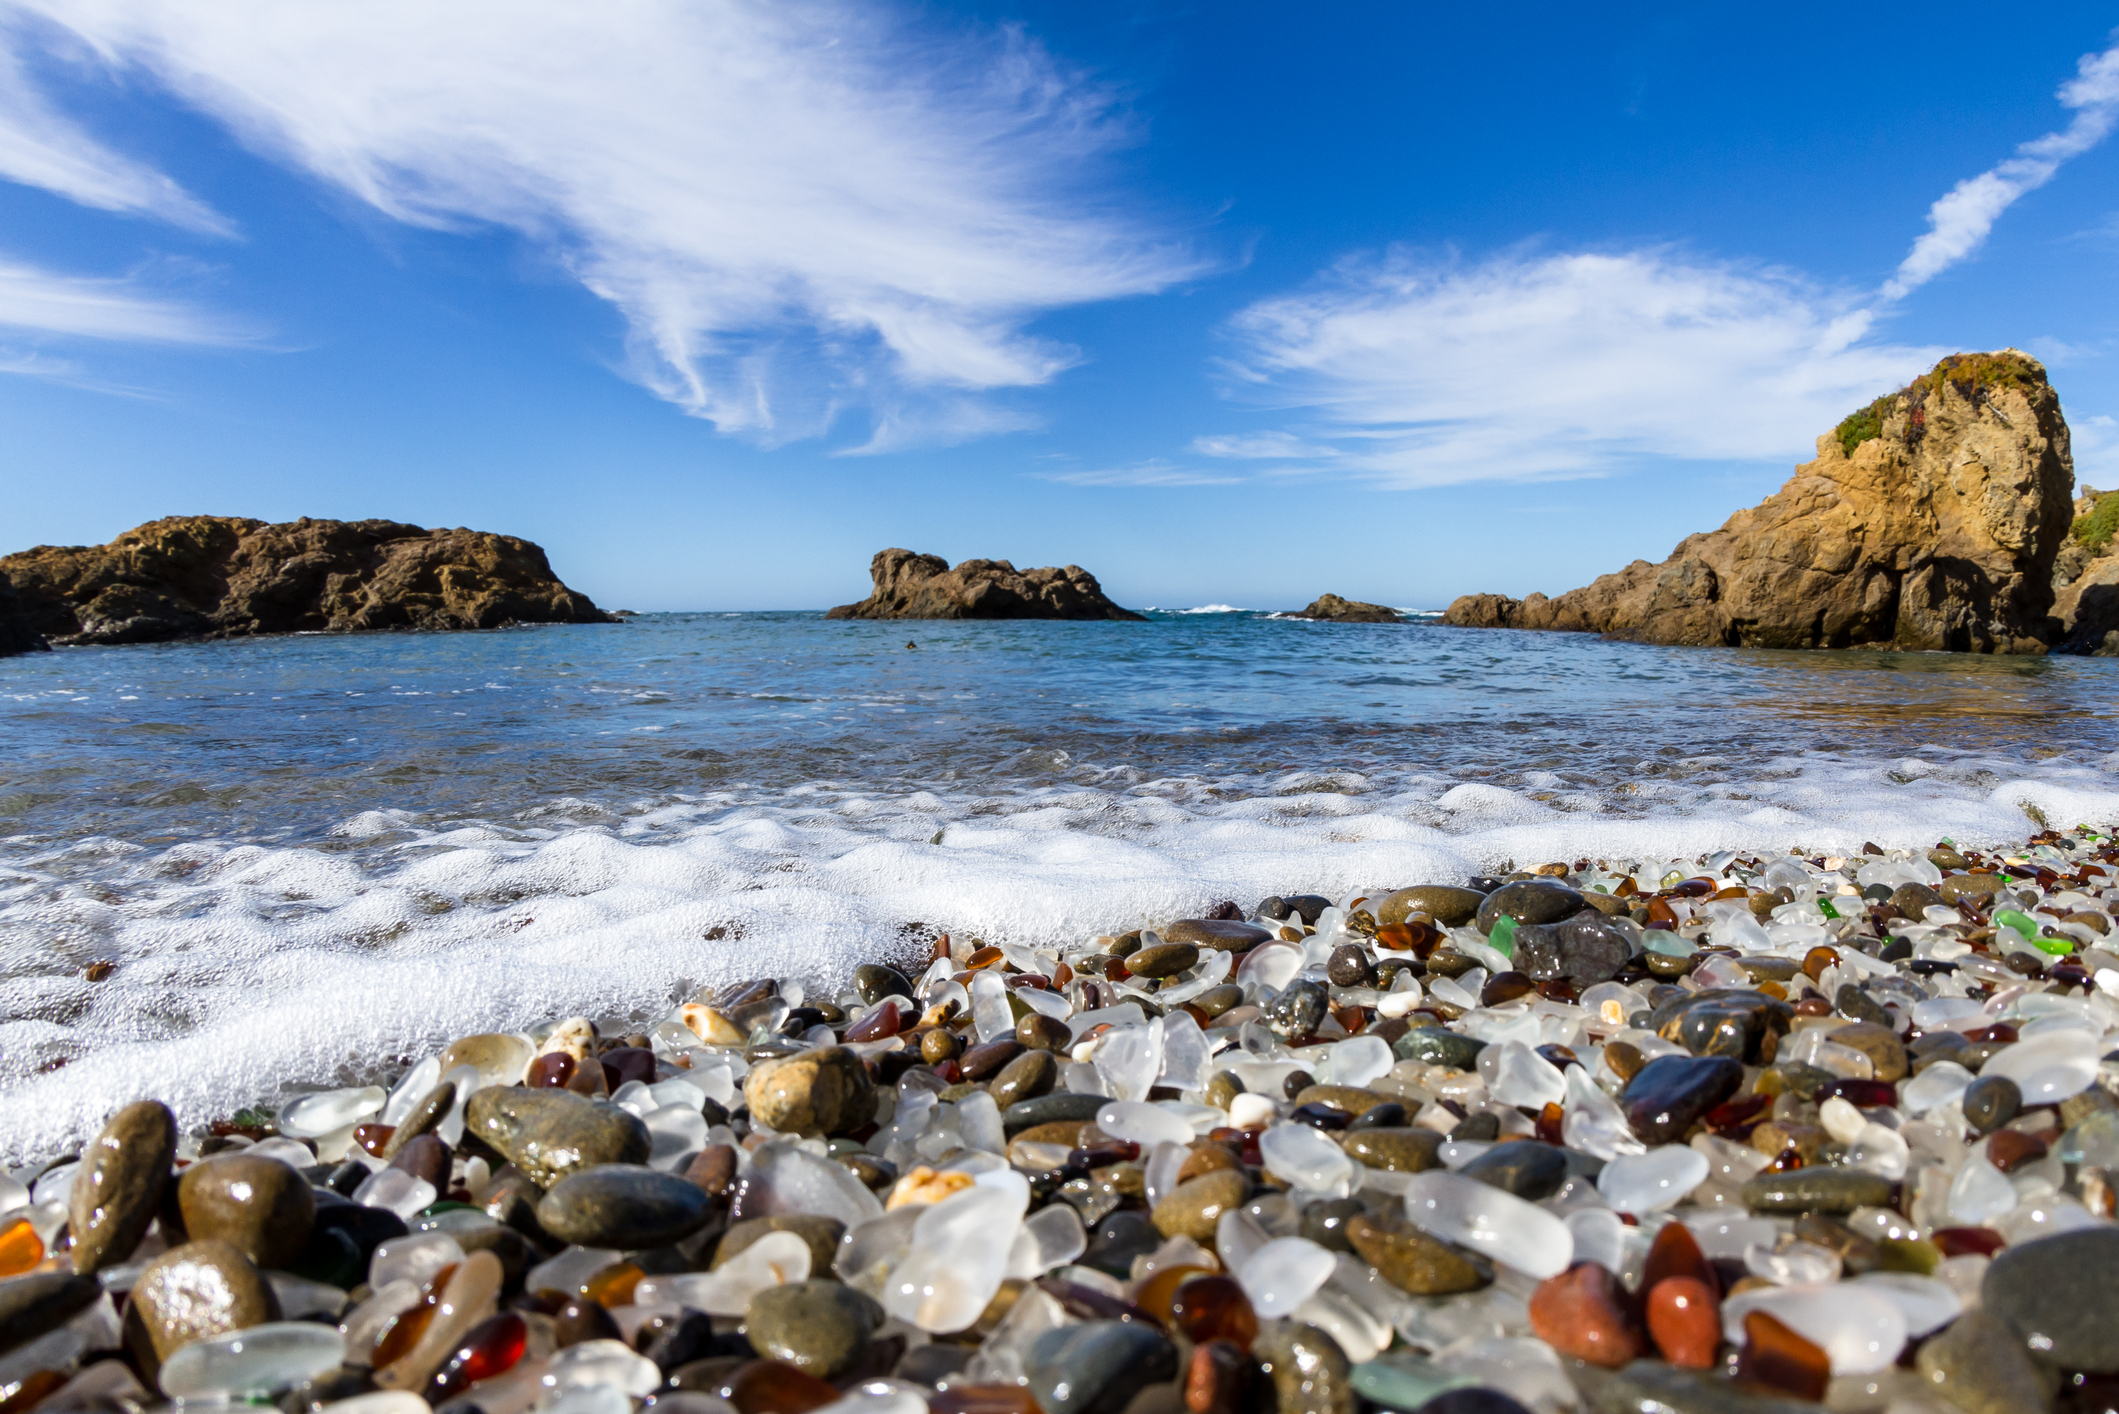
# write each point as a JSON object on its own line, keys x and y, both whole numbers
{"x": 247, "y": 972}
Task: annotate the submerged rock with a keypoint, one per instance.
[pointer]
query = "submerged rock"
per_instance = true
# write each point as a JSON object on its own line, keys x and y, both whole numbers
{"x": 1330, "y": 608}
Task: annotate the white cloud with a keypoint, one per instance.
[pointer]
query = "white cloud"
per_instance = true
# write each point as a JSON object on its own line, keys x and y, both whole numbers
{"x": 1959, "y": 221}
{"x": 1261, "y": 446}
{"x": 798, "y": 206}
{"x": 1429, "y": 370}
{"x": 1155, "y": 472}
{"x": 41, "y": 147}
{"x": 43, "y": 302}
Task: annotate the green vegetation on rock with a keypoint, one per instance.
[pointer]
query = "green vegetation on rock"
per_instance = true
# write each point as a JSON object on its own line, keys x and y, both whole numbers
{"x": 1865, "y": 424}
{"x": 2096, "y": 529}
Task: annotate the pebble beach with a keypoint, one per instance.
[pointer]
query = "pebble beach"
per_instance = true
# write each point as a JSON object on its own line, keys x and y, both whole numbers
{"x": 1735, "y": 1133}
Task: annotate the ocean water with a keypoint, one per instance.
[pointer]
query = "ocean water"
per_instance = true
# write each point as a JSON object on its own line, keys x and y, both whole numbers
{"x": 310, "y": 856}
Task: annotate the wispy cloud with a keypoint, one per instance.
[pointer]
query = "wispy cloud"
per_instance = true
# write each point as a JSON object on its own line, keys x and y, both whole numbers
{"x": 42, "y": 147}
{"x": 799, "y": 206}
{"x": 37, "y": 301}
{"x": 1424, "y": 369}
{"x": 1958, "y": 223}
{"x": 1156, "y": 472}
{"x": 1261, "y": 446}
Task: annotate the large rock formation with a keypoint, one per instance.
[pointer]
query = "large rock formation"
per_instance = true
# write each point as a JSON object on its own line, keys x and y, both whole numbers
{"x": 1930, "y": 520}
{"x": 2086, "y": 578}
{"x": 224, "y": 577}
{"x": 912, "y": 586}
{"x": 1330, "y": 608}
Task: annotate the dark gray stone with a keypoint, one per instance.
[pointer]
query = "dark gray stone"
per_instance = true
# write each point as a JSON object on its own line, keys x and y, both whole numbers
{"x": 1438, "y": 1045}
{"x": 1666, "y": 1095}
{"x": 119, "y": 1185}
{"x": 1298, "y": 1011}
{"x": 874, "y": 981}
{"x": 623, "y": 1206}
{"x": 1525, "y": 1167}
{"x": 818, "y": 1326}
{"x": 1098, "y": 1366}
{"x": 551, "y": 1133}
{"x": 1817, "y": 1190}
{"x": 1529, "y": 901}
{"x": 1990, "y": 1102}
{"x": 2058, "y": 1295}
{"x": 1586, "y": 949}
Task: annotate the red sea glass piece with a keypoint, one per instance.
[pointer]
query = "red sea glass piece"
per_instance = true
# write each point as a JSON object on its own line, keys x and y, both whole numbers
{"x": 2010, "y": 1149}
{"x": 1582, "y": 1313}
{"x": 1676, "y": 1253}
{"x": 1778, "y": 1358}
{"x": 1862, "y": 1094}
{"x": 878, "y": 1024}
{"x": 1967, "y": 1241}
{"x": 983, "y": 1399}
{"x": 489, "y": 1348}
{"x": 1214, "y": 1308}
{"x": 550, "y": 1071}
{"x": 1685, "y": 1322}
{"x": 373, "y": 1138}
{"x": 775, "y": 1387}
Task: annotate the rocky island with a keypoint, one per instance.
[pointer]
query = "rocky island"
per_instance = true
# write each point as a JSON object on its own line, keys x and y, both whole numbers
{"x": 229, "y": 577}
{"x": 1931, "y": 519}
{"x": 1331, "y": 609}
{"x": 915, "y": 586}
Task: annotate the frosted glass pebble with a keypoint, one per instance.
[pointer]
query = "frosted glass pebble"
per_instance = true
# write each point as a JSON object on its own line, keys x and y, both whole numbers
{"x": 2048, "y": 1068}
{"x": 784, "y": 1178}
{"x": 773, "y": 1260}
{"x": 1188, "y": 1057}
{"x": 1517, "y": 1075}
{"x": 1359, "y": 1333}
{"x": 1051, "y": 1237}
{"x": 978, "y": 1122}
{"x": 875, "y": 1397}
{"x": 1305, "y": 1158}
{"x": 570, "y": 1269}
{"x": 313, "y": 1116}
{"x": 1593, "y": 1121}
{"x": 1521, "y": 1366}
{"x": 263, "y": 1359}
{"x": 301, "y": 1298}
{"x": 1796, "y": 1264}
{"x": 1658, "y": 1179}
{"x": 55, "y": 1184}
{"x": 1270, "y": 966}
{"x": 1358, "y": 1060}
{"x": 1498, "y": 1225}
{"x": 1880, "y": 1150}
{"x": 1841, "y": 1120}
{"x": 382, "y": 1401}
{"x": 1600, "y": 1237}
{"x": 1144, "y": 1124}
{"x": 291, "y": 1152}
{"x": 959, "y": 1256}
{"x": 451, "y": 1128}
{"x": 1248, "y": 1111}
{"x": 1938, "y": 1085}
{"x": 609, "y": 1363}
{"x": 586, "y": 1399}
{"x": 675, "y": 1133}
{"x": 411, "y": 1089}
{"x": 397, "y": 1190}
{"x": 1236, "y": 1236}
{"x": 1159, "y": 1174}
{"x": 1283, "y": 1274}
{"x": 13, "y": 1195}
{"x": 1927, "y": 1304}
{"x": 1129, "y": 1059}
{"x": 990, "y": 1012}
{"x": 1980, "y": 1193}
{"x": 1860, "y": 1330}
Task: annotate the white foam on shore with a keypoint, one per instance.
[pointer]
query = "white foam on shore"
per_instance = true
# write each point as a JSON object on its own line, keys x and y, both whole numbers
{"x": 244, "y": 969}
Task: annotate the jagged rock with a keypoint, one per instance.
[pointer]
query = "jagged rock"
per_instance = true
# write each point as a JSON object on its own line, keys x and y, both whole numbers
{"x": 1330, "y": 608}
{"x": 1930, "y": 520}
{"x": 913, "y": 586}
{"x": 226, "y": 577}
{"x": 18, "y": 634}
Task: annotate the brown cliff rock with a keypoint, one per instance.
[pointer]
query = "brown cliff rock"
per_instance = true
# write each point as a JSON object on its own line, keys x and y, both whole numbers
{"x": 1330, "y": 608}
{"x": 912, "y": 586}
{"x": 18, "y": 629}
{"x": 225, "y": 577}
{"x": 1930, "y": 520}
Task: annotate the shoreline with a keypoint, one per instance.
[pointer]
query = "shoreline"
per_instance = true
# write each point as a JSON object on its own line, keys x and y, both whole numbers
{"x": 1384, "y": 1148}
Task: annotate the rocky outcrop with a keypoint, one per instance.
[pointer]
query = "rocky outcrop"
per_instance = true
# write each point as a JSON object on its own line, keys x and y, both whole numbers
{"x": 18, "y": 631}
{"x": 2086, "y": 578}
{"x": 913, "y": 586}
{"x": 1330, "y": 608}
{"x": 225, "y": 577}
{"x": 1930, "y": 520}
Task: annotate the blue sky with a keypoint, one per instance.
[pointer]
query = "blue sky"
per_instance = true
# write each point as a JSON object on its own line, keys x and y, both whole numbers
{"x": 1228, "y": 303}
